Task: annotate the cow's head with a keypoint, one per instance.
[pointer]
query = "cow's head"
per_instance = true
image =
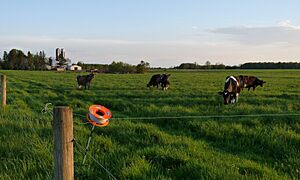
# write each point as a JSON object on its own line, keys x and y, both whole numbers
{"x": 260, "y": 82}
{"x": 90, "y": 76}
{"x": 228, "y": 96}
{"x": 165, "y": 77}
{"x": 165, "y": 80}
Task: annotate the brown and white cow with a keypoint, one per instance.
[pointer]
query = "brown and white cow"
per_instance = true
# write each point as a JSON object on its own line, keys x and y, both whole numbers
{"x": 250, "y": 82}
{"x": 231, "y": 90}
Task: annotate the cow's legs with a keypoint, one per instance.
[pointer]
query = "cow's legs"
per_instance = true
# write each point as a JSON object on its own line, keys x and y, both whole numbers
{"x": 234, "y": 98}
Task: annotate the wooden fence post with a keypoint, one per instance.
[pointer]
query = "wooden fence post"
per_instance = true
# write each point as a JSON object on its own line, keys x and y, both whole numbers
{"x": 3, "y": 89}
{"x": 63, "y": 143}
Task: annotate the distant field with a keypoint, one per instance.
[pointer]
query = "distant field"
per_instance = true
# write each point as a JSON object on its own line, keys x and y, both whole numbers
{"x": 192, "y": 148}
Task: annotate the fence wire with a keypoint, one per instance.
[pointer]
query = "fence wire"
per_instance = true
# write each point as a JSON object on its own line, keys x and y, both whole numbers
{"x": 82, "y": 150}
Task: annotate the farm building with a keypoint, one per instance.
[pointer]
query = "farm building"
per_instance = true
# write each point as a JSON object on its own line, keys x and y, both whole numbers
{"x": 74, "y": 67}
{"x": 60, "y": 69}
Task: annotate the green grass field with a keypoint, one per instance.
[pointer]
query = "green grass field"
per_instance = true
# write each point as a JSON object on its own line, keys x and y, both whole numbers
{"x": 261, "y": 147}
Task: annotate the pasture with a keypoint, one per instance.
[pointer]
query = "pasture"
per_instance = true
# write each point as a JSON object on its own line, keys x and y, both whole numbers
{"x": 259, "y": 147}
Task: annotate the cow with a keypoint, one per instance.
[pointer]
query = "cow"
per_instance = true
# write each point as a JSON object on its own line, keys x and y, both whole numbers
{"x": 160, "y": 80}
{"x": 250, "y": 82}
{"x": 164, "y": 81}
{"x": 154, "y": 81}
{"x": 85, "y": 80}
{"x": 231, "y": 90}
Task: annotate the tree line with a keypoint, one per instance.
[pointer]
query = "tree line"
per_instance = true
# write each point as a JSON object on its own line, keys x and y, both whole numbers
{"x": 271, "y": 65}
{"x": 117, "y": 67}
{"x": 251, "y": 65}
{"x": 207, "y": 65}
{"x": 17, "y": 60}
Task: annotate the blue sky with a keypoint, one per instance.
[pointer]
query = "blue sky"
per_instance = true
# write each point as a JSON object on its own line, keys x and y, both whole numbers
{"x": 162, "y": 32}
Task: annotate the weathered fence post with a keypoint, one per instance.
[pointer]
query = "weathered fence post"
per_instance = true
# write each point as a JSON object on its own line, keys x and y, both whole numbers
{"x": 63, "y": 143}
{"x": 3, "y": 89}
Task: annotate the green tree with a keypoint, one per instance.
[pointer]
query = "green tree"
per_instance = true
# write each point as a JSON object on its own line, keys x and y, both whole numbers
{"x": 208, "y": 64}
{"x": 121, "y": 67}
{"x": 61, "y": 60}
{"x": 142, "y": 67}
{"x": 12, "y": 59}
{"x": 80, "y": 63}
{"x": 4, "y": 61}
{"x": 5, "y": 56}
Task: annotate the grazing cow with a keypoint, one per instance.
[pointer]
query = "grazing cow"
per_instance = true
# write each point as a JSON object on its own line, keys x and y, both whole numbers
{"x": 164, "y": 81}
{"x": 85, "y": 80}
{"x": 154, "y": 81}
{"x": 159, "y": 80}
{"x": 250, "y": 81}
{"x": 231, "y": 90}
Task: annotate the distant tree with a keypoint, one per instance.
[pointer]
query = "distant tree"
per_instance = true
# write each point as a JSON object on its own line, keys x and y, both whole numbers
{"x": 80, "y": 63}
{"x": 121, "y": 67}
{"x": 21, "y": 61}
{"x": 5, "y": 56}
{"x": 4, "y": 61}
{"x": 271, "y": 65}
{"x": 218, "y": 66}
{"x": 38, "y": 62}
{"x": 61, "y": 60}
{"x": 188, "y": 66}
{"x": 142, "y": 67}
{"x": 30, "y": 61}
{"x": 208, "y": 64}
{"x": 51, "y": 60}
{"x": 12, "y": 61}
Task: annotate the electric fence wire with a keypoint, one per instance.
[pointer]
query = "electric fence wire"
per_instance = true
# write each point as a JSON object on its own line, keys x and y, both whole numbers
{"x": 206, "y": 116}
{"x": 188, "y": 117}
{"x": 82, "y": 150}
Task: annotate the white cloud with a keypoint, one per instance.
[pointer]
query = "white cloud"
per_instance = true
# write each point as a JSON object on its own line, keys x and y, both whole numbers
{"x": 285, "y": 33}
{"x": 288, "y": 24}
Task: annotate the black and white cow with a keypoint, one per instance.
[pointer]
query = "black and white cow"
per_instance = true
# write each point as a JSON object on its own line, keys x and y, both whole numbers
{"x": 85, "y": 80}
{"x": 154, "y": 81}
{"x": 160, "y": 80}
{"x": 231, "y": 90}
{"x": 164, "y": 81}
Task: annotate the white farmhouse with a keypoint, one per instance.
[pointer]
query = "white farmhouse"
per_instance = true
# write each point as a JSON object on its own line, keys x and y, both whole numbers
{"x": 74, "y": 67}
